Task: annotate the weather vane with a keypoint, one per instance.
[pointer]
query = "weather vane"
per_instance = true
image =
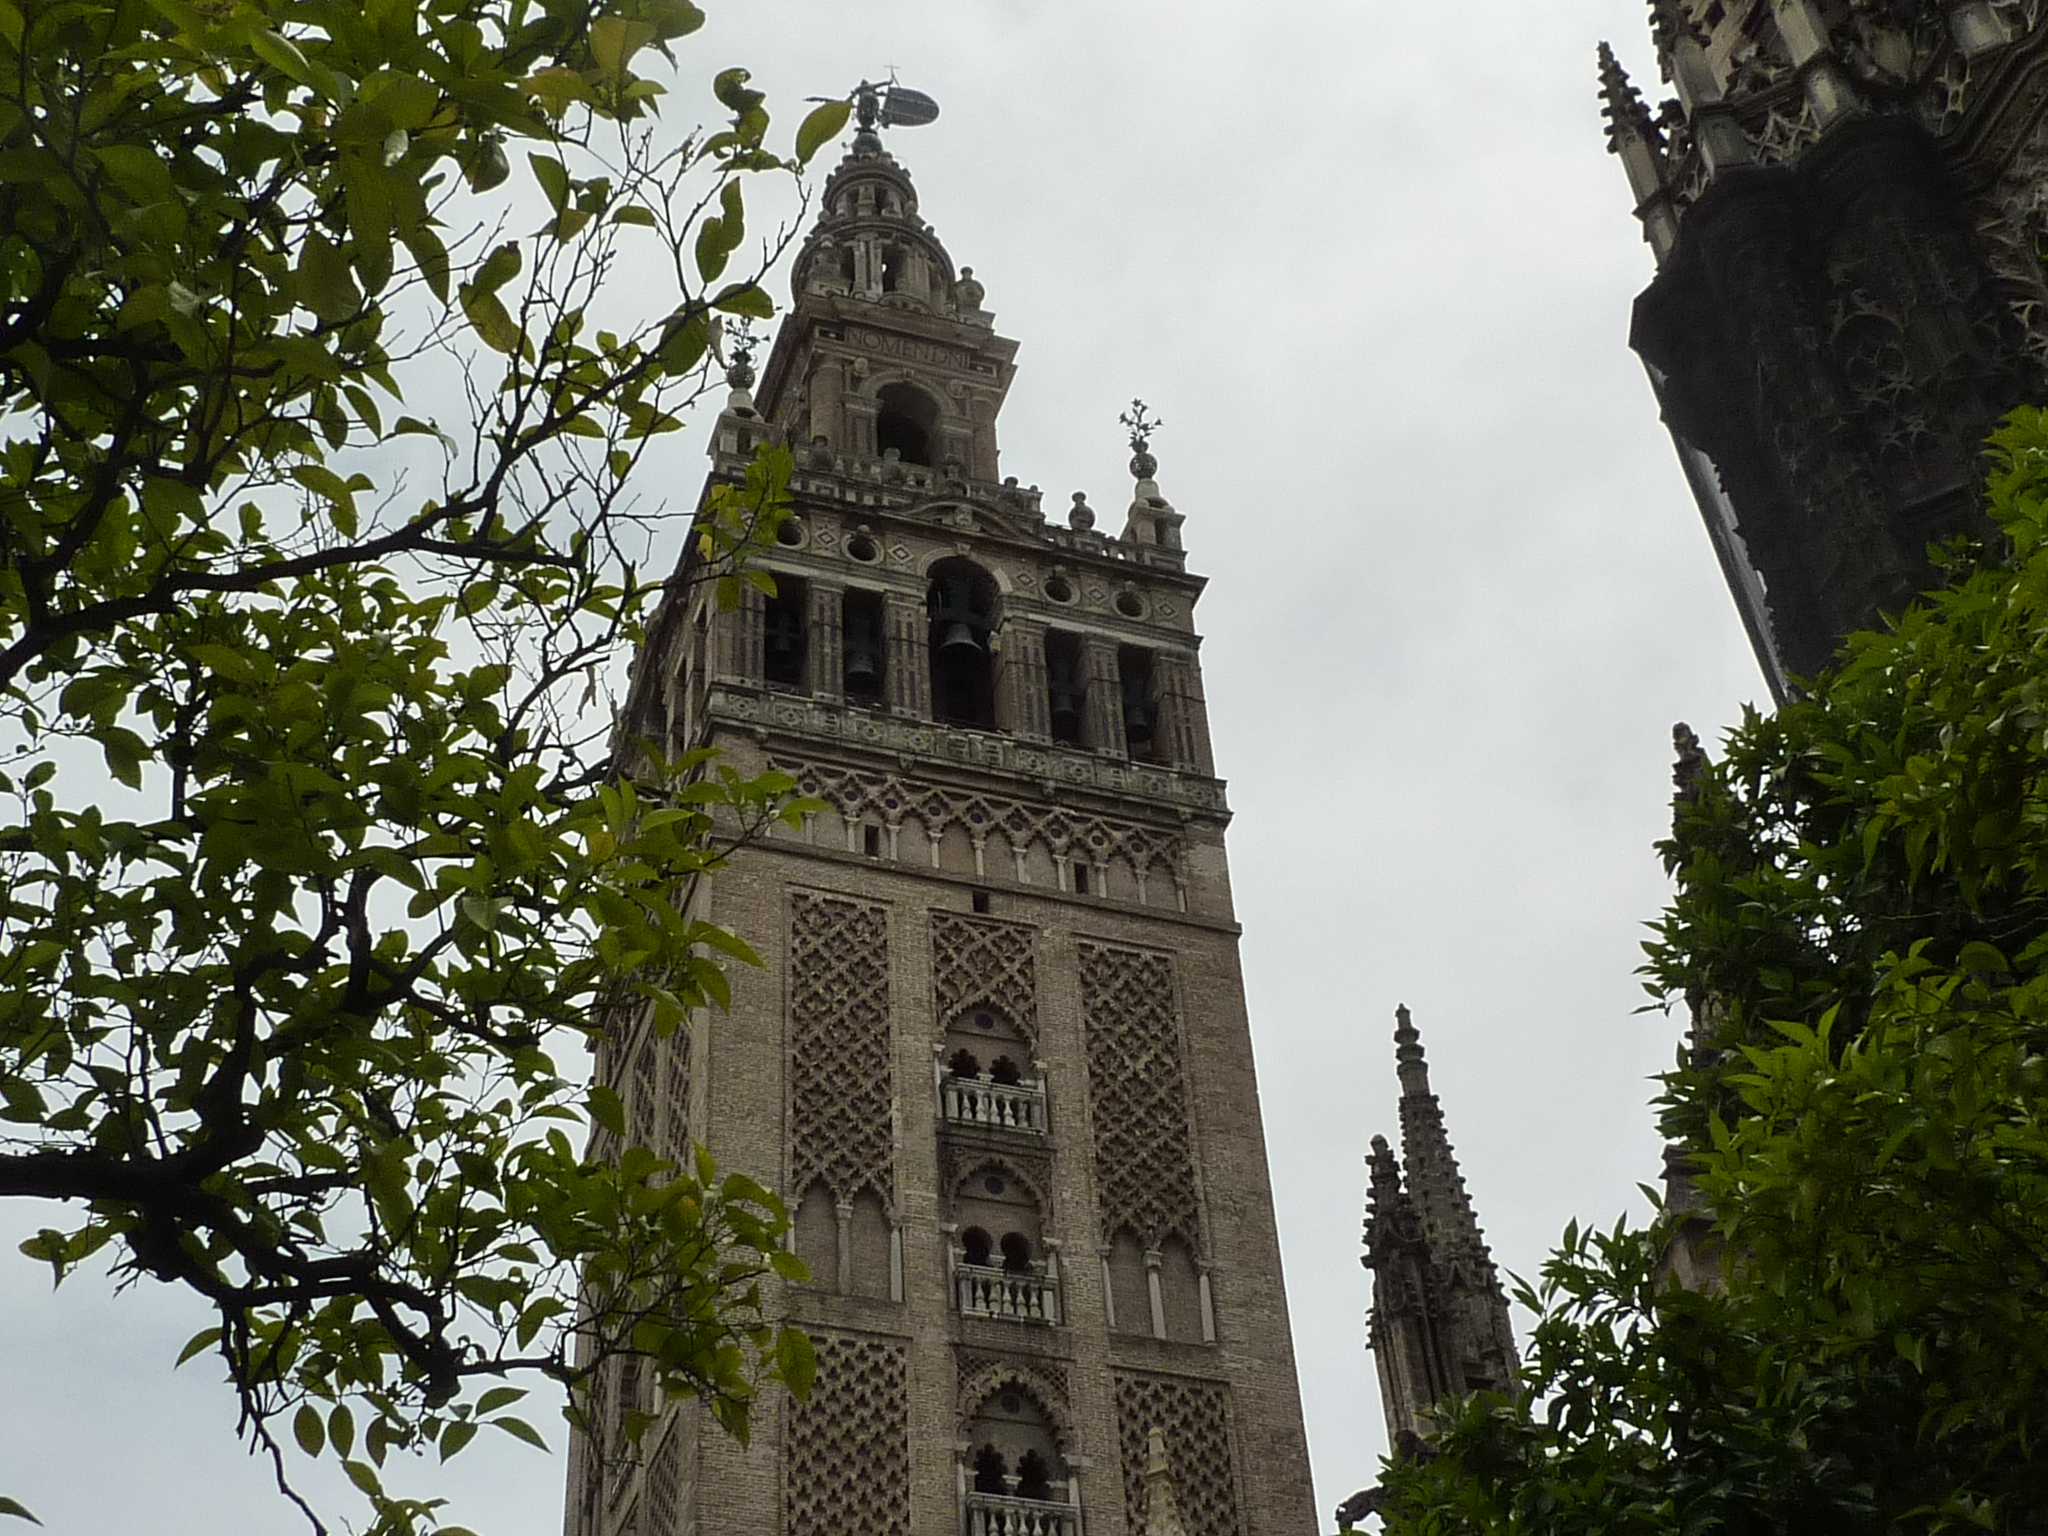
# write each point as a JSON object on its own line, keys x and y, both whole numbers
{"x": 891, "y": 105}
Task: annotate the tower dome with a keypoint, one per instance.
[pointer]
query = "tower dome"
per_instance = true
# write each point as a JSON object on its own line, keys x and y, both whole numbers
{"x": 870, "y": 243}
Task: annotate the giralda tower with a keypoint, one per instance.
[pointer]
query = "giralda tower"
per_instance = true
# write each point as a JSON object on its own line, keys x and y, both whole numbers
{"x": 998, "y": 1060}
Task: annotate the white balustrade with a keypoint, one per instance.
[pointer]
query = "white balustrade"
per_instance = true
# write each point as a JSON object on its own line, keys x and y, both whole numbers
{"x": 1023, "y": 1296}
{"x": 997, "y": 1514}
{"x": 1003, "y": 1106}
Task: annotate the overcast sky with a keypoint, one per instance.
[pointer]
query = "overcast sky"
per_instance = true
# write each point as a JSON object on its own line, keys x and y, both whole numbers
{"x": 1371, "y": 263}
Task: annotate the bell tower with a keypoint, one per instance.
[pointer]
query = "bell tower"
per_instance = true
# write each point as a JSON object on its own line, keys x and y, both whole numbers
{"x": 998, "y": 1059}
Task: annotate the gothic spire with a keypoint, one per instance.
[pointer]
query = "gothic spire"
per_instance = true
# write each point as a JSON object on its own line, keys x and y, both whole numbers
{"x": 1622, "y": 105}
{"x": 1434, "y": 1182}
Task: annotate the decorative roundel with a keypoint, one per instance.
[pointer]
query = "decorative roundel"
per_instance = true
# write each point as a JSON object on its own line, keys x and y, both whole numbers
{"x": 1130, "y": 604}
{"x": 1058, "y": 588}
{"x": 1012, "y": 1403}
{"x": 862, "y": 546}
{"x": 985, "y": 1020}
{"x": 994, "y": 1184}
{"x": 790, "y": 531}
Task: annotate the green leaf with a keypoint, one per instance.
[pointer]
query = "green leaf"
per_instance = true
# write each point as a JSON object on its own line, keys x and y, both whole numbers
{"x": 519, "y": 1429}
{"x": 747, "y": 299}
{"x": 553, "y": 177}
{"x": 18, "y": 1511}
{"x": 198, "y": 1344}
{"x": 820, "y": 127}
{"x": 615, "y": 39}
{"x": 309, "y": 1430}
{"x": 326, "y": 285}
{"x": 498, "y": 1397}
{"x": 608, "y": 1110}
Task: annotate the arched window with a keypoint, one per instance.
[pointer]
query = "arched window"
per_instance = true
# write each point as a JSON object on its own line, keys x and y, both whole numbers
{"x": 1003, "y": 1070}
{"x": 1141, "y": 706}
{"x": 975, "y": 1246}
{"x": 1016, "y": 1253}
{"x": 961, "y": 600}
{"x": 1066, "y": 686}
{"x": 991, "y": 1471}
{"x": 1034, "y": 1477}
{"x": 964, "y": 1065}
{"x": 865, "y": 665}
{"x": 906, "y": 421}
{"x": 782, "y": 624}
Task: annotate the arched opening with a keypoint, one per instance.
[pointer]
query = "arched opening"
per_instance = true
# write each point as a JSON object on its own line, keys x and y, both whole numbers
{"x": 1016, "y": 1451}
{"x": 906, "y": 422}
{"x": 1066, "y": 685}
{"x": 976, "y": 1246}
{"x": 1016, "y": 1249}
{"x": 1180, "y": 1291}
{"x": 1034, "y": 1477}
{"x": 961, "y": 600}
{"x": 1141, "y": 705}
{"x": 991, "y": 1471}
{"x": 1005, "y": 1071}
{"x": 817, "y": 1236}
{"x": 782, "y": 625}
{"x": 864, "y": 666}
{"x": 964, "y": 1065}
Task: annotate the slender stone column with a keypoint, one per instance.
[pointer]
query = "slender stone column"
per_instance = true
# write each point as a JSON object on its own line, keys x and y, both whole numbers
{"x": 1105, "y": 710}
{"x": 824, "y": 663}
{"x": 910, "y": 663}
{"x": 1183, "y": 713}
{"x": 1021, "y": 707}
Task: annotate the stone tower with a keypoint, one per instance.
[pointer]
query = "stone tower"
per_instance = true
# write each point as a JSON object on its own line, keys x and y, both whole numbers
{"x": 998, "y": 1059}
{"x": 1439, "y": 1322}
{"x": 1846, "y": 200}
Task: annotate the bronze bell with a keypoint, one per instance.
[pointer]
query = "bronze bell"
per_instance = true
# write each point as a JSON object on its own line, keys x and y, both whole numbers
{"x": 863, "y": 668}
{"x": 953, "y": 613}
{"x": 959, "y": 635}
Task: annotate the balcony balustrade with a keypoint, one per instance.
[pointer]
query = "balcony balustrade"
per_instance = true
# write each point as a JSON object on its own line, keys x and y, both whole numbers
{"x": 1000, "y": 1514}
{"x": 1000, "y": 1106}
{"x": 1019, "y": 1296}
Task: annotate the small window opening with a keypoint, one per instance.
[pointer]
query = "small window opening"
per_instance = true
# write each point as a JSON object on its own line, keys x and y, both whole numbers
{"x": 1034, "y": 1477}
{"x": 790, "y": 531}
{"x": 981, "y": 902}
{"x": 975, "y": 1246}
{"x": 1141, "y": 712}
{"x": 1003, "y": 1070}
{"x": 991, "y": 1471}
{"x": 871, "y": 841}
{"x": 961, "y": 601}
{"x": 1066, "y": 686}
{"x": 783, "y": 631}
{"x": 1080, "y": 879}
{"x": 906, "y": 422}
{"x": 964, "y": 1065}
{"x": 892, "y": 268}
{"x": 861, "y": 672}
{"x": 1016, "y": 1253}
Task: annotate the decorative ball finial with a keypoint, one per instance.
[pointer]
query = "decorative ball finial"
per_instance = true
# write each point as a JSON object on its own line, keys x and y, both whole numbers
{"x": 1080, "y": 516}
{"x": 739, "y": 373}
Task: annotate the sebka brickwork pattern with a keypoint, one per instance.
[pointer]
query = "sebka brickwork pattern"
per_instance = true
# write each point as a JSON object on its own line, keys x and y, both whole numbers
{"x": 841, "y": 1086}
{"x": 1137, "y": 1095}
{"x": 847, "y": 1452}
{"x": 1194, "y": 1416}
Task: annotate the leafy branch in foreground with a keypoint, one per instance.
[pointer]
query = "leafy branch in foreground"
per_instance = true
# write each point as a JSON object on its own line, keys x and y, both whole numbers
{"x": 1861, "y": 931}
{"x": 314, "y": 858}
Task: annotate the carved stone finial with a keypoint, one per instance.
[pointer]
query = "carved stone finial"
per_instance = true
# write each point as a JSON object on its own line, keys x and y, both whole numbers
{"x": 1080, "y": 516}
{"x": 1162, "y": 1506}
{"x": 1691, "y": 757}
{"x": 1408, "y": 1057}
{"x": 1622, "y": 105}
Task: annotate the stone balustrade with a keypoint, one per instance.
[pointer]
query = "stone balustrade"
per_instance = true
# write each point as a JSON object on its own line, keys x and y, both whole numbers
{"x": 1020, "y": 1296}
{"x": 1000, "y": 1514}
{"x": 999, "y": 1106}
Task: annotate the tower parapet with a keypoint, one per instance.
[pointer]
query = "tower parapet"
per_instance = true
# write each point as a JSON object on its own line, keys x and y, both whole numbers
{"x": 1846, "y": 203}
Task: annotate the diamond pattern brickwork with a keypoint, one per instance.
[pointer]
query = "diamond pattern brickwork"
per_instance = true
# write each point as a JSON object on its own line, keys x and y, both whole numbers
{"x": 1137, "y": 1096}
{"x": 841, "y": 1084}
{"x": 1195, "y": 1418}
{"x": 846, "y": 1467}
{"x": 984, "y": 962}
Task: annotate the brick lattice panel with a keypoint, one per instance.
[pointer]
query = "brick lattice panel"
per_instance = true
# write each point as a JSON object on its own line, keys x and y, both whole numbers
{"x": 1194, "y": 1416}
{"x": 841, "y": 1088}
{"x": 847, "y": 1453}
{"x": 980, "y": 961}
{"x": 1137, "y": 1095}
